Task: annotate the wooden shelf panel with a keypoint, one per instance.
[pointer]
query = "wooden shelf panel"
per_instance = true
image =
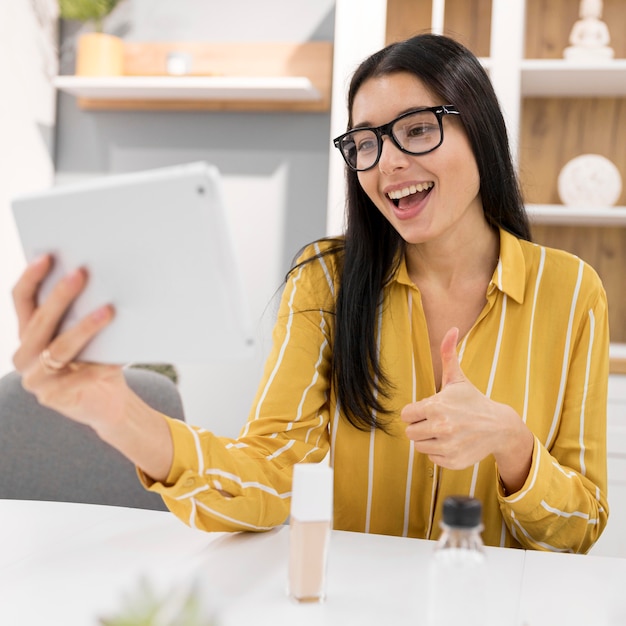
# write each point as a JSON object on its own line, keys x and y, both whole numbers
{"x": 604, "y": 248}
{"x": 467, "y": 20}
{"x": 555, "y": 130}
{"x": 549, "y": 26}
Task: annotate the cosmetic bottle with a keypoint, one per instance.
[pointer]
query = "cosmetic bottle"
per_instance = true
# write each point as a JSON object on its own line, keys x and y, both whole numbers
{"x": 458, "y": 569}
{"x": 309, "y": 531}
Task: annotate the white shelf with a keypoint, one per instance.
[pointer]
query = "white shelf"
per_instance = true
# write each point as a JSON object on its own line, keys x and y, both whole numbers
{"x": 284, "y": 88}
{"x": 560, "y": 214}
{"x": 560, "y": 77}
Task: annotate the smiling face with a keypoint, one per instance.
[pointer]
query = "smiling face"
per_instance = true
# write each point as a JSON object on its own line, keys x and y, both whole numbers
{"x": 425, "y": 197}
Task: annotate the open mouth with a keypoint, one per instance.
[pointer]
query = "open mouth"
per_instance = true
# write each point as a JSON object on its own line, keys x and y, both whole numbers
{"x": 410, "y": 195}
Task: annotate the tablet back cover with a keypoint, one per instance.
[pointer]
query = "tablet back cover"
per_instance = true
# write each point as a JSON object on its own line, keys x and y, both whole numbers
{"x": 157, "y": 245}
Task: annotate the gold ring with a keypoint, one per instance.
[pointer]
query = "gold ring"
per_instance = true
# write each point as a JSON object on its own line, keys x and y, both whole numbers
{"x": 50, "y": 364}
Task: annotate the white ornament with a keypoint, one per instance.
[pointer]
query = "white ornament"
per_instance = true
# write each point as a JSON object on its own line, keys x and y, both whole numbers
{"x": 590, "y": 37}
{"x": 589, "y": 180}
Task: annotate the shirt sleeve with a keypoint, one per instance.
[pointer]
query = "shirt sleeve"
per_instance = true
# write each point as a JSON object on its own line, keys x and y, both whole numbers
{"x": 563, "y": 504}
{"x": 221, "y": 484}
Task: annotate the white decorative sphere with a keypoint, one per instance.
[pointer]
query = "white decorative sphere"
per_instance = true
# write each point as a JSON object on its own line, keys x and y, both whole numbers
{"x": 589, "y": 180}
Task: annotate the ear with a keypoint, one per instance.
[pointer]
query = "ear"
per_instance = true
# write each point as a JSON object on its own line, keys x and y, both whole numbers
{"x": 451, "y": 371}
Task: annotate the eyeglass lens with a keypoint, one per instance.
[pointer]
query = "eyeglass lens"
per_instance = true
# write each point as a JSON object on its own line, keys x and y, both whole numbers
{"x": 416, "y": 133}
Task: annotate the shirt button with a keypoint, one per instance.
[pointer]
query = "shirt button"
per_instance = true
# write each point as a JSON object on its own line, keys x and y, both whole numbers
{"x": 431, "y": 472}
{"x": 190, "y": 482}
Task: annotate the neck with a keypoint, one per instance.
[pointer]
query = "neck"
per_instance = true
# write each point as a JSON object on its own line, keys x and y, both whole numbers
{"x": 469, "y": 254}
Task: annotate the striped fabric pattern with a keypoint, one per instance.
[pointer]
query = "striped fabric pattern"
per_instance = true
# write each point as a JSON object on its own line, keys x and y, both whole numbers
{"x": 540, "y": 345}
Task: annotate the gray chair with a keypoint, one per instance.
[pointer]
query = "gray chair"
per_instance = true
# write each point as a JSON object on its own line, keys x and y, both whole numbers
{"x": 45, "y": 456}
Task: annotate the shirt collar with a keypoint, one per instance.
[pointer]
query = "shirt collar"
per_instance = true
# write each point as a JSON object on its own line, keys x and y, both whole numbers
{"x": 510, "y": 273}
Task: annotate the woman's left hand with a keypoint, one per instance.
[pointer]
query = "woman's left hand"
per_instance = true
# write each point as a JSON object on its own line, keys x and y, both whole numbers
{"x": 460, "y": 426}
{"x": 85, "y": 392}
{"x": 90, "y": 393}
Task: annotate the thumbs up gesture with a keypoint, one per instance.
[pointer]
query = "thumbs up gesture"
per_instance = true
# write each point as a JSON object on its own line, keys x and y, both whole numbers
{"x": 451, "y": 371}
{"x": 459, "y": 425}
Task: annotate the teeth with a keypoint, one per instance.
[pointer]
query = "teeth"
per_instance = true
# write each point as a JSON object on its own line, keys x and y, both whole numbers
{"x": 407, "y": 191}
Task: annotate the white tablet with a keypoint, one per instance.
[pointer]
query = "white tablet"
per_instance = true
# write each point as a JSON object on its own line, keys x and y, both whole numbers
{"x": 157, "y": 246}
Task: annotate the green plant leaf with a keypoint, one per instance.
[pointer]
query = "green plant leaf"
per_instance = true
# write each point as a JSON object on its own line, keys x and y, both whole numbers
{"x": 143, "y": 606}
{"x": 86, "y": 10}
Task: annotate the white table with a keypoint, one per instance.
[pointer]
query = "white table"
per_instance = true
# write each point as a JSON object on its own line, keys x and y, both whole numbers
{"x": 67, "y": 564}
{"x": 573, "y": 590}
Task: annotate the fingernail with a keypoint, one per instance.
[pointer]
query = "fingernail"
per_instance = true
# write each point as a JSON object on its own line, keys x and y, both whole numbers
{"x": 74, "y": 277}
{"x": 39, "y": 260}
{"x": 102, "y": 313}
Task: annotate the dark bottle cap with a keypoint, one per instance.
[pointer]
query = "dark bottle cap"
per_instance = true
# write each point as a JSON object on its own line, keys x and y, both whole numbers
{"x": 462, "y": 511}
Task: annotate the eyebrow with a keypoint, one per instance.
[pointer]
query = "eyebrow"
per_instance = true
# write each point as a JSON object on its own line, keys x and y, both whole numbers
{"x": 368, "y": 124}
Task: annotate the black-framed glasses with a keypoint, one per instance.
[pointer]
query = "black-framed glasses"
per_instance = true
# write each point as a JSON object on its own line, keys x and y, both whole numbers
{"x": 416, "y": 132}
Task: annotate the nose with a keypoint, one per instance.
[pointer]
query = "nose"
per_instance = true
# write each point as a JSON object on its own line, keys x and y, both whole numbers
{"x": 391, "y": 157}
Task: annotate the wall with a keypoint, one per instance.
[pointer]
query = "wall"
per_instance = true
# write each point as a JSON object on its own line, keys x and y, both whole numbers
{"x": 274, "y": 165}
{"x": 28, "y": 60}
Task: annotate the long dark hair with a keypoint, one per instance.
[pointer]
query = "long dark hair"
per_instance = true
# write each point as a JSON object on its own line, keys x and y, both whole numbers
{"x": 372, "y": 247}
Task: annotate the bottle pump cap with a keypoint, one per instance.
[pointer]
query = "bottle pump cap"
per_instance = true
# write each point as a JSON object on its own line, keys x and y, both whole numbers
{"x": 312, "y": 492}
{"x": 462, "y": 512}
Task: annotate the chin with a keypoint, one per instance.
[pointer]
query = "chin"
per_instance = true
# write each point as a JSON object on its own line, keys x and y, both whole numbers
{"x": 412, "y": 234}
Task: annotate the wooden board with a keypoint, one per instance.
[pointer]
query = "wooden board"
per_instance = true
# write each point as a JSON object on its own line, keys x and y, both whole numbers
{"x": 555, "y": 130}
{"x": 468, "y": 21}
{"x": 549, "y": 24}
{"x": 604, "y": 248}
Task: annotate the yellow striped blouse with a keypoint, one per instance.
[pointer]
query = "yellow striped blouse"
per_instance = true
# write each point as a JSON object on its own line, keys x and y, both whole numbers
{"x": 540, "y": 345}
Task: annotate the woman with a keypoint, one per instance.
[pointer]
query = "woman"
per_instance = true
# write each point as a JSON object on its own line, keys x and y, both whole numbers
{"x": 433, "y": 351}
